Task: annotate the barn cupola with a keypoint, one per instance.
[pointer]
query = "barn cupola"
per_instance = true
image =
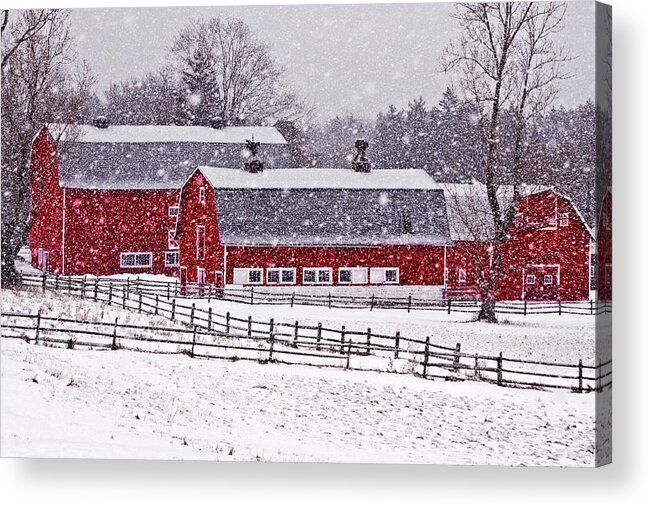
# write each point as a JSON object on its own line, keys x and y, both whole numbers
{"x": 253, "y": 163}
{"x": 101, "y": 122}
{"x": 361, "y": 163}
{"x": 217, "y": 122}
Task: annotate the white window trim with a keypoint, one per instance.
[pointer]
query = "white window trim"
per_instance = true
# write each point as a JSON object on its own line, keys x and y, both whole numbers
{"x": 202, "y": 195}
{"x": 564, "y": 219}
{"x": 199, "y": 271}
{"x": 462, "y": 276}
{"x": 151, "y": 260}
{"x": 280, "y": 276}
{"x": 533, "y": 279}
{"x": 171, "y": 242}
{"x": 178, "y": 256}
{"x": 169, "y": 211}
{"x": 247, "y": 270}
{"x": 203, "y": 250}
{"x": 384, "y": 280}
{"x": 316, "y": 277}
{"x": 551, "y": 278}
{"x": 353, "y": 282}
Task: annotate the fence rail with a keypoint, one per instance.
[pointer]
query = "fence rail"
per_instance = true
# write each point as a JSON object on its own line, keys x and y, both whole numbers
{"x": 258, "y": 296}
{"x": 289, "y": 342}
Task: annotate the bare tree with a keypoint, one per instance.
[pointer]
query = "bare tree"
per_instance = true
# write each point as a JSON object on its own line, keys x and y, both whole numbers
{"x": 40, "y": 84}
{"x": 507, "y": 61}
{"x": 222, "y": 63}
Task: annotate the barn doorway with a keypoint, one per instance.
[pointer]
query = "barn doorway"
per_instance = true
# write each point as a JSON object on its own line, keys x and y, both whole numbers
{"x": 541, "y": 283}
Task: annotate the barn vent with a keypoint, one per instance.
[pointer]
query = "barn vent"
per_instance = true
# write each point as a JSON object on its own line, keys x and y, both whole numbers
{"x": 253, "y": 163}
{"x": 361, "y": 163}
{"x": 101, "y": 122}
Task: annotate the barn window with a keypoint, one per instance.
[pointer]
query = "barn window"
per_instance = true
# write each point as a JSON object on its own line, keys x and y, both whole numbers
{"x": 531, "y": 279}
{"x": 171, "y": 259}
{"x": 243, "y": 276}
{"x": 353, "y": 275}
{"x": 384, "y": 275}
{"x": 281, "y": 275}
{"x": 564, "y": 219}
{"x": 135, "y": 260}
{"x": 173, "y": 211}
{"x": 462, "y": 276}
{"x": 172, "y": 244}
{"x": 548, "y": 280}
{"x": 201, "y": 242}
{"x": 201, "y": 275}
{"x": 317, "y": 275}
{"x": 202, "y": 195}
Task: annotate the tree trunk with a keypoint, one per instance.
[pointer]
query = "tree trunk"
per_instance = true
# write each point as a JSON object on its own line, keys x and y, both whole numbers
{"x": 487, "y": 311}
{"x": 8, "y": 273}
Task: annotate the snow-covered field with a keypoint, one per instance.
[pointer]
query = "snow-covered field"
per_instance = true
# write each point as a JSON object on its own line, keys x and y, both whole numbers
{"x": 91, "y": 404}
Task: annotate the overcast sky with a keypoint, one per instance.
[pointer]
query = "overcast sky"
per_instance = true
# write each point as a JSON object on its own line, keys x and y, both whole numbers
{"x": 343, "y": 58}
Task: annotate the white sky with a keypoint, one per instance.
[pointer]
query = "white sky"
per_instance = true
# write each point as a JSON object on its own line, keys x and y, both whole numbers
{"x": 344, "y": 58}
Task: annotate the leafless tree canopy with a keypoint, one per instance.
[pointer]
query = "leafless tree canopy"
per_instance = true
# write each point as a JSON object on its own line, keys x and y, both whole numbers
{"x": 41, "y": 83}
{"x": 506, "y": 60}
{"x": 228, "y": 72}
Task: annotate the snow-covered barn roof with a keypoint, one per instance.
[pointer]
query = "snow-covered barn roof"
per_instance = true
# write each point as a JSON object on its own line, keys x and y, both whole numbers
{"x": 158, "y": 157}
{"x": 336, "y": 207}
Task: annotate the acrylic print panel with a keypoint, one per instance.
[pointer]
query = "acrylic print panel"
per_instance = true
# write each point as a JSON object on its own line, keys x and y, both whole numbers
{"x": 275, "y": 233}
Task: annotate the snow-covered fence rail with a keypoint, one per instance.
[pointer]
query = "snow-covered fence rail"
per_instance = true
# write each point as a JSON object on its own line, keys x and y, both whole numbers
{"x": 89, "y": 286}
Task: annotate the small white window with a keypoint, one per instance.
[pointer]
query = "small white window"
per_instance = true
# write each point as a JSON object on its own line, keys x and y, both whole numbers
{"x": 564, "y": 219}
{"x": 384, "y": 275}
{"x": 353, "y": 275}
{"x": 171, "y": 259}
{"x": 317, "y": 276}
{"x": 201, "y": 275}
{"x": 202, "y": 195}
{"x": 281, "y": 275}
{"x": 172, "y": 244}
{"x": 135, "y": 260}
{"x": 173, "y": 211}
{"x": 462, "y": 275}
{"x": 244, "y": 276}
{"x": 548, "y": 280}
{"x": 531, "y": 279}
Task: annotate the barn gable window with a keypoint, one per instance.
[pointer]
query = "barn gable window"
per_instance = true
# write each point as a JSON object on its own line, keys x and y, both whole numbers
{"x": 136, "y": 260}
{"x": 462, "y": 276}
{"x": 564, "y": 219}
{"x": 353, "y": 275}
{"x": 385, "y": 275}
{"x": 281, "y": 276}
{"x": 171, "y": 259}
{"x": 250, "y": 276}
{"x": 313, "y": 276}
{"x": 202, "y": 195}
{"x": 173, "y": 211}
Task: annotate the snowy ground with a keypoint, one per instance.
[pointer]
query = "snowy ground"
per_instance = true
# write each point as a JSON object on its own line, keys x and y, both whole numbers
{"x": 134, "y": 405}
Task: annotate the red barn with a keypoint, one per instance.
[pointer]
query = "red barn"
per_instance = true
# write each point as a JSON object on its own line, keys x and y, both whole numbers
{"x": 546, "y": 258}
{"x": 333, "y": 230}
{"x": 105, "y": 201}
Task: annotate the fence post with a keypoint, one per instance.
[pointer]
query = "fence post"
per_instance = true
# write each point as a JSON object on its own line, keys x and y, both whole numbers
{"x": 249, "y": 327}
{"x": 477, "y": 373}
{"x": 449, "y": 305}
{"x": 457, "y": 353}
{"x": 499, "y": 369}
{"x": 38, "y": 327}
{"x": 69, "y": 285}
{"x": 426, "y": 357}
{"x": 372, "y": 301}
{"x": 525, "y": 306}
{"x": 580, "y": 375}
{"x": 44, "y": 281}
{"x": 209, "y": 292}
{"x": 210, "y": 319}
{"x": 343, "y": 340}
{"x": 409, "y": 304}
{"x": 124, "y": 297}
{"x": 291, "y": 304}
{"x": 271, "y": 328}
{"x": 329, "y": 300}
{"x": 271, "y": 343}
{"x": 368, "y": 341}
{"x": 560, "y": 308}
{"x": 156, "y": 307}
{"x": 114, "y": 343}
{"x": 318, "y": 337}
{"x": 110, "y": 294}
{"x": 228, "y": 322}
{"x": 83, "y": 287}
{"x": 194, "y": 340}
{"x": 173, "y": 309}
{"x": 140, "y": 302}
{"x": 168, "y": 290}
{"x": 95, "y": 290}
{"x": 591, "y": 310}
{"x": 396, "y": 354}
{"x": 192, "y": 314}
{"x": 296, "y": 334}
{"x": 56, "y": 282}
{"x": 350, "y": 345}
{"x": 251, "y": 295}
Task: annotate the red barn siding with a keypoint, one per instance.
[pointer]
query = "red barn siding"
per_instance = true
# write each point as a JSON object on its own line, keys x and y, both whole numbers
{"x": 537, "y": 240}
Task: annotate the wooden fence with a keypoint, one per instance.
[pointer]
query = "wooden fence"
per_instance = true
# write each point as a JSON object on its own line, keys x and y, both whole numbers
{"x": 203, "y": 331}
{"x": 258, "y": 296}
